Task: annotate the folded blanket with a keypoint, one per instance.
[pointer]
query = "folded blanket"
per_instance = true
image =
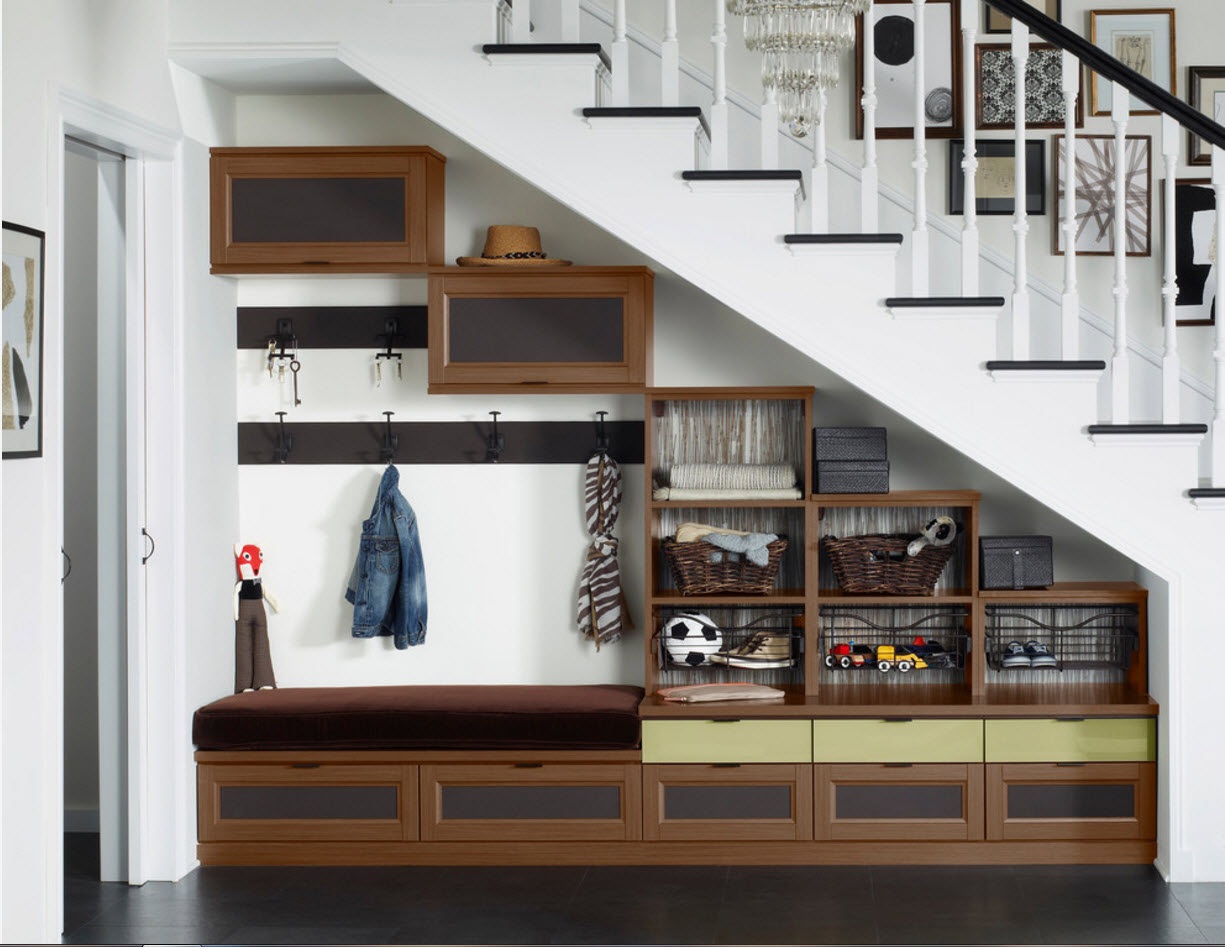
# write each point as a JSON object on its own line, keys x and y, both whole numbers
{"x": 752, "y": 546}
{"x": 693, "y": 693}
{"x": 692, "y": 532}
{"x": 673, "y": 493}
{"x": 732, "y": 476}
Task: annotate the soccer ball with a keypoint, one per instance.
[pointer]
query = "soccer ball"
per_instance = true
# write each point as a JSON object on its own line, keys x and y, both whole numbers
{"x": 690, "y": 638}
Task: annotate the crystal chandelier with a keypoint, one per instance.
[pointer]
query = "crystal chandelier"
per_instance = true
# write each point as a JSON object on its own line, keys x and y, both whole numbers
{"x": 800, "y": 42}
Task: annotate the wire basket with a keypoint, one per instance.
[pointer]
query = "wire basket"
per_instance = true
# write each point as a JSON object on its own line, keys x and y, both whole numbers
{"x": 878, "y": 564}
{"x": 696, "y": 574}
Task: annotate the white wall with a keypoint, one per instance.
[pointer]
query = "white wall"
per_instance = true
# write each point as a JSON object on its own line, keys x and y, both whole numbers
{"x": 307, "y": 519}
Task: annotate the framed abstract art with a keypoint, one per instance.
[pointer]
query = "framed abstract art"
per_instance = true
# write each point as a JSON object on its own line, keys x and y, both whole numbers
{"x": 1206, "y": 88}
{"x": 1095, "y": 203}
{"x": 995, "y": 88}
{"x": 996, "y": 22}
{"x": 1143, "y": 40}
{"x": 21, "y": 361}
{"x": 995, "y": 180}
{"x": 1194, "y": 246}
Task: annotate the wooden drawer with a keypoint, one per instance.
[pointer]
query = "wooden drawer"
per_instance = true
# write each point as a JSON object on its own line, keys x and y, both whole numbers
{"x": 530, "y": 801}
{"x": 1071, "y": 801}
{"x": 1128, "y": 739}
{"x": 899, "y": 802}
{"x": 299, "y": 801}
{"x": 727, "y": 741}
{"x": 727, "y": 801}
{"x": 897, "y": 741}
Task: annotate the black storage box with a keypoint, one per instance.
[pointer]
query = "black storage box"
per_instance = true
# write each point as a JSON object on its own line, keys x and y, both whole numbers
{"x": 853, "y": 476}
{"x": 1015, "y": 562}
{"x": 848, "y": 443}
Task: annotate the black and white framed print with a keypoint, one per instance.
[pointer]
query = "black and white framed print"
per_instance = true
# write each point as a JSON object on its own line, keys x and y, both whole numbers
{"x": 1207, "y": 94}
{"x": 21, "y": 362}
{"x": 1194, "y": 251}
{"x": 1095, "y": 203}
{"x": 995, "y": 88}
{"x": 995, "y": 188}
{"x": 1142, "y": 40}
{"x": 893, "y": 35}
{"x": 996, "y": 22}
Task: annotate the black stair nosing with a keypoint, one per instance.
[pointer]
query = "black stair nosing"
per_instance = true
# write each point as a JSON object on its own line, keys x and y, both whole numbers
{"x": 1148, "y": 428}
{"x": 745, "y": 174}
{"x": 842, "y": 238}
{"x": 1195, "y": 492}
{"x": 923, "y": 302}
{"x": 644, "y": 111}
{"x": 547, "y": 49}
{"x": 1047, "y": 365}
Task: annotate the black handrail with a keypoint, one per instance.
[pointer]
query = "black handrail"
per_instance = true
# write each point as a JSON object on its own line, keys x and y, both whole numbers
{"x": 1106, "y": 65}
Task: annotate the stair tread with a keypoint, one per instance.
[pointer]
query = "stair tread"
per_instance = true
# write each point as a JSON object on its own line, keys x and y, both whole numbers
{"x": 1046, "y": 365}
{"x": 1153, "y": 428}
{"x": 842, "y": 238}
{"x": 1206, "y": 492}
{"x": 644, "y": 111}
{"x": 547, "y": 49}
{"x": 744, "y": 175}
{"x": 919, "y": 302}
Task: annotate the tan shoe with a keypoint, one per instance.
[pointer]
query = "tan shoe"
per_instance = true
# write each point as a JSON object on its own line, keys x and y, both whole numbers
{"x": 763, "y": 650}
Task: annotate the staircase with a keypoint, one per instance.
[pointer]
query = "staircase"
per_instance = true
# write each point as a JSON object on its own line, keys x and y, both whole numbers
{"x": 652, "y": 177}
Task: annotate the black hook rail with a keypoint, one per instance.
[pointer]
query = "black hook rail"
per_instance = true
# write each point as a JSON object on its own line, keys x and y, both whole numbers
{"x": 495, "y": 443}
{"x": 391, "y": 442}
{"x": 284, "y": 441}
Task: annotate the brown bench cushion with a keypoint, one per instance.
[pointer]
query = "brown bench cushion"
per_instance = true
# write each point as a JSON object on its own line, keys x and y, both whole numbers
{"x": 423, "y": 717}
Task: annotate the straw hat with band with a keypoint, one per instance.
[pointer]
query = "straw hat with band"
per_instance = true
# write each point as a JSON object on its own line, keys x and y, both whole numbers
{"x": 510, "y": 245}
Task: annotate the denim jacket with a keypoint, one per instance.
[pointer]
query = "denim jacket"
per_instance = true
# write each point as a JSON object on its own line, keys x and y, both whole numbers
{"x": 387, "y": 586}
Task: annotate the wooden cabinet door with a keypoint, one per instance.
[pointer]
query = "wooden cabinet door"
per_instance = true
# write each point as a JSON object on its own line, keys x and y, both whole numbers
{"x": 753, "y": 802}
{"x": 899, "y": 801}
{"x": 1072, "y": 801}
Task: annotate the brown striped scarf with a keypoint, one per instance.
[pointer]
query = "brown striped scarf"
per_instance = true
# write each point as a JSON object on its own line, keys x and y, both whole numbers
{"x": 601, "y": 612}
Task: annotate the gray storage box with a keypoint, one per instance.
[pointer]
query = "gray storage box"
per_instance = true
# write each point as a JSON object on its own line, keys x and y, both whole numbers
{"x": 853, "y": 476}
{"x": 849, "y": 443}
{"x": 1015, "y": 562}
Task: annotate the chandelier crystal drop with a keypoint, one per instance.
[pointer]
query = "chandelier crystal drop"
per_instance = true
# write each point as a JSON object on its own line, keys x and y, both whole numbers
{"x": 801, "y": 42}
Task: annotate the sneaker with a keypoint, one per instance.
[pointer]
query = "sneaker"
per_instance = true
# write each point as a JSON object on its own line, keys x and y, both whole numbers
{"x": 1039, "y": 655}
{"x": 1014, "y": 656}
{"x": 763, "y": 650}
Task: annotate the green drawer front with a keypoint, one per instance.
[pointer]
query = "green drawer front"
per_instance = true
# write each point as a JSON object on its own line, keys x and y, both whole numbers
{"x": 1072, "y": 741}
{"x": 727, "y": 741}
{"x": 897, "y": 741}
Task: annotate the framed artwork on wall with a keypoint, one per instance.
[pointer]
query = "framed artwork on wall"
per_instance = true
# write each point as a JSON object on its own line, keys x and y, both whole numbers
{"x": 1140, "y": 39}
{"x": 22, "y": 334}
{"x": 995, "y": 87}
{"x": 1194, "y": 243}
{"x": 996, "y": 22}
{"x": 1095, "y": 204}
{"x": 1207, "y": 94}
{"x": 892, "y": 25}
{"x": 995, "y": 180}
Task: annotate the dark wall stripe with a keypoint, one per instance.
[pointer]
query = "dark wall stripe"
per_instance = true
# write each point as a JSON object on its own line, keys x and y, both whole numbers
{"x": 439, "y": 442}
{"x": 333, "y": 327}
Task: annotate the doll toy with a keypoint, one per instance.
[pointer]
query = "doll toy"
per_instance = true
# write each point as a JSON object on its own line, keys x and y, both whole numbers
{"x": 252, "y": 654}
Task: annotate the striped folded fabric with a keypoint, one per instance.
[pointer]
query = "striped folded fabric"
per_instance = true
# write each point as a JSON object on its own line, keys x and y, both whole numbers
{"x": 732, "y": 477}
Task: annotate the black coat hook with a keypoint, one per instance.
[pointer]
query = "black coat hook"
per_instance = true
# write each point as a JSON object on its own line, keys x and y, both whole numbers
{"x": 495, "y": 443}
{"x": 391, "y": 442}
{"x": 284, "y": 442}
{"x": 601, "y": 435}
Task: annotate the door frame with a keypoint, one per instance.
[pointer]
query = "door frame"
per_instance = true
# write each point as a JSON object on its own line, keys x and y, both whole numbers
{"x": 155, "y": 664}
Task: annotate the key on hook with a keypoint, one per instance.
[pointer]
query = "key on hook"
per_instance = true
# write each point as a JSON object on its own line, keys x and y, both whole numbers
{"x": 295, "y": 366}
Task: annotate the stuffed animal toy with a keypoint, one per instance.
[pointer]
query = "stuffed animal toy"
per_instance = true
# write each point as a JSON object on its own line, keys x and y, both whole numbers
{"x": 252, "y": 654}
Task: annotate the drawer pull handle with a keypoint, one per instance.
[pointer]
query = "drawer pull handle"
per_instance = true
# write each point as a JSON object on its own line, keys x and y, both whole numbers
{"x": 304, "y": 765}
{"x": 899, "y": 719}
{"x": 726, "y": 765}
{"x": 1069, "y": 719}
{"x": 529, "y": 765}
{"x": 898, "y": 765}
{"x": 1069, "y": 764}
{"x": 721, "y": 720}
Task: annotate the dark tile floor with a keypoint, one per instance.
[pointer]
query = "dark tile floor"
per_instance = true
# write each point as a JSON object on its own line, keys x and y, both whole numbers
{"x": 647, "y": 905}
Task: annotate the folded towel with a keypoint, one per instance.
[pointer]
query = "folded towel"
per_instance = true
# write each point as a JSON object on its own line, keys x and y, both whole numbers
{"x": 752, "y": 546}
{"x": 673, "y": 493}
{"x": 692, "y": 532}
{"x": 693, "y": 693}
{"x": 732, "y": 476}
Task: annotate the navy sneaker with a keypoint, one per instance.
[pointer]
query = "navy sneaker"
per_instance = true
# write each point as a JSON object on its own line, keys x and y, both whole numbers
{"x": 1039, "y": 655}
{"x": 1014, "y": 656}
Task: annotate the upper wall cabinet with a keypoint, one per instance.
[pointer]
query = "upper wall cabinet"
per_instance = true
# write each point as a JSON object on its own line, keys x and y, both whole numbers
{"x": 313, "y": 210}
{"x": 546, "y": 328}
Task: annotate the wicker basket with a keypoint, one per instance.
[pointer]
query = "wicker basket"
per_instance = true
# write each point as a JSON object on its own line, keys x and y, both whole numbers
{"x": 878, "y": 564}
{"x": 695, "y": 574}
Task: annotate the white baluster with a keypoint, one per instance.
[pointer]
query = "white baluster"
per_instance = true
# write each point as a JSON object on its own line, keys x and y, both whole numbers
{"x": 769, "y": 128}
{"x": 819, "y": 184}
{"x": 670, "y": 60}
{"x": 1020, "y": 220}
{"x": 969, "y": 160}
{"x": 1218, "y": 353}
{"x": 619, "y": 55}
{"x": 1071, "y": 293}
{"x": 920, "y": 274}
{"x": 718, "y": 108}
{"x": 869, "y": 213}
{"x": 521, "y": 22}
{"x": 1120, "y": 367}
{"x": 1171, "y": 370}
{"x": 569, "y": 21}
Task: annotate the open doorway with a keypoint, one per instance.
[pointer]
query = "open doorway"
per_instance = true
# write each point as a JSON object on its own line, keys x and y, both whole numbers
{"x": 95, "y": 498}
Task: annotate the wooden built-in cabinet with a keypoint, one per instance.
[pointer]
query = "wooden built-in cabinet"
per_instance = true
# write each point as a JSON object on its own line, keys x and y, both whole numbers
{"x": 326, "y": 209}
{"x": 540, "y": 328}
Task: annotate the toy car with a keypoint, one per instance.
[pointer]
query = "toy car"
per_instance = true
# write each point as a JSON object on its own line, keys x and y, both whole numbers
{"x": 848, "y": 655}
{"x": 902, "y": 657}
